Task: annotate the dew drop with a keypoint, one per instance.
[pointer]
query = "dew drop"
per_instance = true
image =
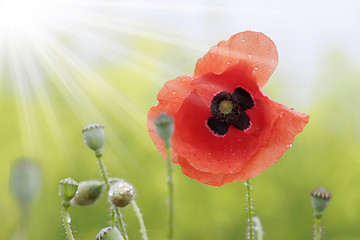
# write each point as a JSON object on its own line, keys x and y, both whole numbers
{"x": 249, "y": 55}
{"x": 256, "y": 67}
{"x": 173, "y": 93}
{"x": 243, "y": 40}
{"x": 290, "y": 145}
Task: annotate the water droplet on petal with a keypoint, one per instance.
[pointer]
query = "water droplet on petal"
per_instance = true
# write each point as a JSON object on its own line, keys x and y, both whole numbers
{"x": 249, "y": 55}
{"x": 173, "y": 93}
{"x": 243, "y": 40}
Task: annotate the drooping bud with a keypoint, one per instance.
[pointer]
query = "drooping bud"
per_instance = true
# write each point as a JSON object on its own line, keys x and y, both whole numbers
{"x": 67, "y": 189}
{"x": 88, "y": 192}
{"x": 165, "y": 127}
{"x": 109, "y": 233}
{"x": 320, "y": 199}
{"x": 94, "y": 136}
{"x": 121, "y": 194}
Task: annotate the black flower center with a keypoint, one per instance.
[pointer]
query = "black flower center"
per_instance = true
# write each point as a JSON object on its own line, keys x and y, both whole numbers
{"x": 229, "y": 109}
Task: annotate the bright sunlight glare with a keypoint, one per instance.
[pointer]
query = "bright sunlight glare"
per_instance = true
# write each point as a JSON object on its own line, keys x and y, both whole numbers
{"x": 51, "y": 44}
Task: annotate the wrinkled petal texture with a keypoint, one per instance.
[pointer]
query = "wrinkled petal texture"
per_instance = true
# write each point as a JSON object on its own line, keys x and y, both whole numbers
{"x": 207, "y": 152}
{"x": 252, "y": 47}
{"x": 287, "y": 126}
{"x": 245, "y": 61}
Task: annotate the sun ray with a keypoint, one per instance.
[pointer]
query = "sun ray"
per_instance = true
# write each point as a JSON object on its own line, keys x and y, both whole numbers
{"x": 36, "y": 82}
{"x": 30, "y": 138}
{"x": 78, "y": 102}
{"x": 117, "y": 50}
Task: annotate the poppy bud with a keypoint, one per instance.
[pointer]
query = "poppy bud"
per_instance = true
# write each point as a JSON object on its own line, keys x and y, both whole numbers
{"x": 121, "y": 194}
{"x": 88, "y": 192}
{"x": 109, "y": 233}
{"x": 94, "y": 137}
{"x": 165, "y": 127}
{"x": 320, "y": 199}
{"x": 67, "y": 189}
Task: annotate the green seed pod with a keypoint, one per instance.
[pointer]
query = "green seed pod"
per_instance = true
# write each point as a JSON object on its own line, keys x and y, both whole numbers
{"x": 94, "y": 137}
{"x": 67, "y": 189}
{"x": 165, "y": 127}
{"x": 109, "y": 233}
{"x": 121, "y": 194}
{"x": 88, "y": 192}
{"x": 320, "y": 199}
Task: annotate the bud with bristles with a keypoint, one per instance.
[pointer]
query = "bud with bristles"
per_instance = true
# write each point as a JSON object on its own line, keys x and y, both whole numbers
{"x": 320, "y": 199}
{"x": 94, "y": 137}
{"x": 165, "y": 127}
{"x": 67, "y": 189}
{"x": 109, "y": 233}
{"x": 121, "y": 194}
{"x": 88, "y": 193}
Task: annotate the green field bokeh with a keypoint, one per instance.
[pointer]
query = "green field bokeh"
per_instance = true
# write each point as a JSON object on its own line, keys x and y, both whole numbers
{"x": 325, "y": 154}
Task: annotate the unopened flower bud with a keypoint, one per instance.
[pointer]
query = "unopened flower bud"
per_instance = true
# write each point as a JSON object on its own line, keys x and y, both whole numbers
{"x": 67, "y": 189}
{"x": 121, "y": 194}
{"x": 320, "y": 199}
{"x": 88, "y": 193}
{"x": 94, "y": 137}
{"x": 109, "y": 233}
{"x": 165, "y": 127}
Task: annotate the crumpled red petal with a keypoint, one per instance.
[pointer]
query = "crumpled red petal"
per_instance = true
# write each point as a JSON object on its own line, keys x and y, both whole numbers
{"x": 253, "y": 47}
{"x": 286, "y": 127}
{"x": 229, "y": 154}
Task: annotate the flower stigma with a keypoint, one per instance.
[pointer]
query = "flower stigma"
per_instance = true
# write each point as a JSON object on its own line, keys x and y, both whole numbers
{"x": 226, "y": 107}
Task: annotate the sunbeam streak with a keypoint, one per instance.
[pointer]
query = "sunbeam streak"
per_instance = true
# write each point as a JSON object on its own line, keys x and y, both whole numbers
{"x": 40, "y": 55}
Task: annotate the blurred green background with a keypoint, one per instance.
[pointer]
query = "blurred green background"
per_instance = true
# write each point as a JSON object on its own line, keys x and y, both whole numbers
{"x": 109, "y": 71}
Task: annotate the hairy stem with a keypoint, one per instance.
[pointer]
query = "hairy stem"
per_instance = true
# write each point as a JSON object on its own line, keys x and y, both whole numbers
{"x": 66, "y": 220}
{"x": 170, "y": 183}
{"x": 140, "y": 219}
{"x": 317, "y": 230}
{"x": 250, "y": 212}
{"x": 105, "y": 176}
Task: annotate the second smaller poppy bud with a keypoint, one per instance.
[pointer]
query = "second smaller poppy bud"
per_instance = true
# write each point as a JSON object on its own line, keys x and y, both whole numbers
{"x": 88, "y": 193}
{"x": 165, "y": 127}
{"x": 109, "y": 233}
{"x": 121, "y": 194}
{"x": 94, "y": 137}
{"x": 320, "y": 199}
{"x": 67, "y": 189}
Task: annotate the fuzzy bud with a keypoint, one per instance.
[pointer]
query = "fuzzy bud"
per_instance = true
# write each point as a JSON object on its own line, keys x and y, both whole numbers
{"x": 88, "y": 193}
{"x": 67, "y": 189}
{"x": 109, "y": 233}
{"x": 121, "y": 194}
{"x": 320, "y": 199}
{"x": 94, "y": 137}
{"x": 165, "y": 127}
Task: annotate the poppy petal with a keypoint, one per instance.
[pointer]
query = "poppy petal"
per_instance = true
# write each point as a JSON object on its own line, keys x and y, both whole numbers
{"x": 170, "y": 98}
{"x": 209, "y": 152}
{"x": 252, "y": 47}
{"x": 287, "y": 126}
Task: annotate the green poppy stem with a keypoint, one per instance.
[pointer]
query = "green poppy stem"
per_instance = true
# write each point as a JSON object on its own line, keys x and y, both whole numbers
{"x": 140, "y": 219}
{"x": 249, "y": 208}
{"x": 66, "y": 220}
{"x": 317, "y": 230}
{"x": 170, "y": 183}
{"x": 105, "y": 176}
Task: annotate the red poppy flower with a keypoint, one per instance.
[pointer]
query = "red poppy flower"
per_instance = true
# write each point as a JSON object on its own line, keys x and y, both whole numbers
{"x": 226, "y": 128}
